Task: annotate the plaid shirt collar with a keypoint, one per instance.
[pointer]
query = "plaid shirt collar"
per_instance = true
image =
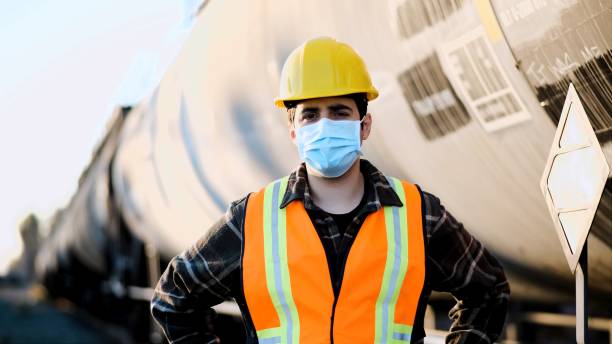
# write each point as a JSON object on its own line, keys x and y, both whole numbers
{"x": 383, "y": 195}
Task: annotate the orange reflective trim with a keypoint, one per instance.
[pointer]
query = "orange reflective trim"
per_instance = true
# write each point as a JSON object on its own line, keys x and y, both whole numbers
{"x": 309, "y": 275}
{"x": 256, "y": 293}
{"x": 410, "y": 292}
{"x": 355, "y": 317}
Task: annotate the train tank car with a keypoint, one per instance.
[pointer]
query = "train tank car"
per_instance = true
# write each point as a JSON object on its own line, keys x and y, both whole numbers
{"x": 90, "y": 257}
{"x": 471, "y": 93}
{"x": 455, "y": 115}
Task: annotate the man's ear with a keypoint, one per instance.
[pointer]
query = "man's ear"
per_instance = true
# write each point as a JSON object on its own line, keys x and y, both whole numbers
{"x": 366, "y": 126}
{"x": 292, "y": 133}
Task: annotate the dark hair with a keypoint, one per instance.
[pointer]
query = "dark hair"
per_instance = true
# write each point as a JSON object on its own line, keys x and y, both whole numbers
{"x": 360, "y": 99}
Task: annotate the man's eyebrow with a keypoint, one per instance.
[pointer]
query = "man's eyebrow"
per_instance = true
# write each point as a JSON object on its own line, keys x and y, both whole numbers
{"x": 311, "y": 109}
{"x": 338, "y": 107}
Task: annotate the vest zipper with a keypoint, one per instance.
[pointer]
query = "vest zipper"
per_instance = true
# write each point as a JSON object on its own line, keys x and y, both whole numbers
{"x": 331, "y": 328}
{"x": 339, "y": 279}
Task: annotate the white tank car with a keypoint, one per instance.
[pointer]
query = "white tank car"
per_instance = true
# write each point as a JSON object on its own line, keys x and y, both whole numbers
{"x": 470, "y": 95}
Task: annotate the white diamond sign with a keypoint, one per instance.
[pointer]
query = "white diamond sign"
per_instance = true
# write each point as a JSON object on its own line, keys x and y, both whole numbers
{"x": 574, "y": 177}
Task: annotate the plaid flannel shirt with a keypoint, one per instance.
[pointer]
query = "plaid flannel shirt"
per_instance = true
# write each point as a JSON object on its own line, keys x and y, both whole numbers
{"x": 209, "y": 272}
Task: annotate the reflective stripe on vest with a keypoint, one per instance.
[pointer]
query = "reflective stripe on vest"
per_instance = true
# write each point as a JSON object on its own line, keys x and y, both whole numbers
{"x": 286, "y": 277}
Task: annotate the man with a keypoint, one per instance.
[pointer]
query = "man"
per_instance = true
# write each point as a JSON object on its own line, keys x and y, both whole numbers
{"x": 336, "y": 252}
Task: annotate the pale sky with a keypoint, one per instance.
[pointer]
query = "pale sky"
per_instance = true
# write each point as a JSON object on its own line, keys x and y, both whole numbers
{"x": 64, "y": 65}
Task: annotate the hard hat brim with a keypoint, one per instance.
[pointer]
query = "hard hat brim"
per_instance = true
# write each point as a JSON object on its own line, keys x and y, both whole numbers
{"x": 371, "y": 94}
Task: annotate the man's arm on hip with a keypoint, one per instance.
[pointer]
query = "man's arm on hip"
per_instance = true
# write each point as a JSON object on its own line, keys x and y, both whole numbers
{"x": 203, "y": 276}
{"x": 462, "y": 266}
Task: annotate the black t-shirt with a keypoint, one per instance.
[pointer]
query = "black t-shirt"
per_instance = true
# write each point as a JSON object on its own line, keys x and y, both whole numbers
{"x": 344, "y": 220}
{"x": 336, "y": 260}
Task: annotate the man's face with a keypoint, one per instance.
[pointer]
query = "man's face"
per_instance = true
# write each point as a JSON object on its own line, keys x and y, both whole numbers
{"x": 334, "y": 108}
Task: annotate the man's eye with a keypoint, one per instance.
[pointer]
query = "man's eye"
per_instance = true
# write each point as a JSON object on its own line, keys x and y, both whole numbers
{"x": 342, "y": 114}
{"x": 309, "y": 116}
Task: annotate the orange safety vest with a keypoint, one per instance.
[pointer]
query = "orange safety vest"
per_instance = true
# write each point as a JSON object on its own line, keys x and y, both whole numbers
{"x": 286, "y": 281}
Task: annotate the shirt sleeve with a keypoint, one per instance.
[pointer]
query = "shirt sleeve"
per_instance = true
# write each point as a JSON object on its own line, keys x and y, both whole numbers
{"x": 459, "y": 264}
{"x": 204, "y": 275}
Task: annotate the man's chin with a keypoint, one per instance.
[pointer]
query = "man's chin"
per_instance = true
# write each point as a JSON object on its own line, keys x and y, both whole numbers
{"x": 316, "y": 173}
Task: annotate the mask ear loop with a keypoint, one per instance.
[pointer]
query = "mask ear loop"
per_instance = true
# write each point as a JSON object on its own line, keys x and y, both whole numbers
{"x": 360, "y": 129}
{"x": 361, "y": 125}
{"x": 361, "y": 122}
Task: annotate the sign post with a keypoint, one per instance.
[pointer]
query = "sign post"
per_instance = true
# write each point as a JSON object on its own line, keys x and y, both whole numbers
{"x": 582, "y": 297}
{"x": 572, "y": 183}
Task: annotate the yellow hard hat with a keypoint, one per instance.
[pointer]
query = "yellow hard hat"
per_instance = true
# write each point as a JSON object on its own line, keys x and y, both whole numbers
{"x": 323, "y": 67}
